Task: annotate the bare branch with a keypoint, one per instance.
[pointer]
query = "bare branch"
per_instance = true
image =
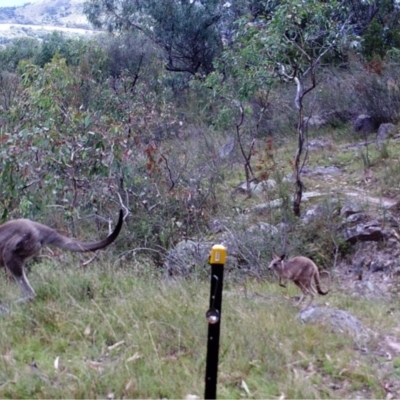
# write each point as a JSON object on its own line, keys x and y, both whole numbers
{"x": 123, "y": 205}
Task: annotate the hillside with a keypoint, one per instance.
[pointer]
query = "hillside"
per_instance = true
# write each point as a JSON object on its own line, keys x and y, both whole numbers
{"x": 36, "y": 19}
{"x": 202, "y": 141}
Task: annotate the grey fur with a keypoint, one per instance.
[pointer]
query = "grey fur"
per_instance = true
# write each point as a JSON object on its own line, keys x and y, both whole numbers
{"x": 302, "y": 271}
{"x": 22, "y": 239}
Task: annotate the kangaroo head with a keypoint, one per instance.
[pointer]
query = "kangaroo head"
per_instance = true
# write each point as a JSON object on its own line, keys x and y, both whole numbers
{"x": 277, "y": 262}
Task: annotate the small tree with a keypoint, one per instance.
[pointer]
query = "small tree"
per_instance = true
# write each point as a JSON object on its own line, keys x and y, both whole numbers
{"x": 292, "y": 45}
{"x": 186, "y": 31}
{"x": 300, "y": 36}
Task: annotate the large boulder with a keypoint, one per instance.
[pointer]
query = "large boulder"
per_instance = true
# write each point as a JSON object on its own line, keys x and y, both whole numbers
{"x": 315, "y": 121}
{"x": 338, "y": 320}
{"x": 186, "y": 255}
{"x": 351, "y": 207}
{"x": 244, "y": 245}
{"x": 370, "y": 231}
{"x": 384, "y": 131}
{"x": 364, "y": 123}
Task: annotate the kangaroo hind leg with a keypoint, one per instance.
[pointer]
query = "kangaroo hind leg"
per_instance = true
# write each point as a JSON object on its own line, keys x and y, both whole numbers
{"x": 303, "y": 294}
{"x": 307, "y": 291}
{"x": 15, "y": 264}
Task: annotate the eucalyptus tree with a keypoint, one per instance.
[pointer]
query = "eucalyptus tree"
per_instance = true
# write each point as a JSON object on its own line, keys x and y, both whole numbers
{"x": 291, "y": 43}
{"x": 377, "y": 22}
{"x": 187, "y": 31}
{"x": 17, "y": 50}
{"x": 299, "y": 38}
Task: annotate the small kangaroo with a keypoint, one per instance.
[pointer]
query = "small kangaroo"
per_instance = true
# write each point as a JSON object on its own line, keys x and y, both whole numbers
{"x": 22, "y": 239}
{"x": 302, "y": 271}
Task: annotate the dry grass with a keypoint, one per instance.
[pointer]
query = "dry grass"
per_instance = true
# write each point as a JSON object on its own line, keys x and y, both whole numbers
{"x": 106, "y": 333}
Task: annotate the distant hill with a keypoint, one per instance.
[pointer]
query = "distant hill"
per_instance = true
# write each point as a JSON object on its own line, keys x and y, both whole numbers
{"x": 36, "y": 19}
{"x": 67, "y": 13}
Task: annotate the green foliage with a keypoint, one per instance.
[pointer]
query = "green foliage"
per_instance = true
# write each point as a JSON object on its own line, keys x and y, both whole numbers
{"x": 18, "y": 50}
{"x": 88, "y": 125}
{"x": 293, "y": 42}
{"x": 81, "y": 145}
{"x": 378, "y": 23}
{"x": 187, "y": 33}
{"x": 54, "y": 147}
{"x": 9, "y": 91}
{"x": 378, "y": 91}
{"x": 56, "y": 43}
{"x": 374, "y": 41}
{"x": 300, "y": 34}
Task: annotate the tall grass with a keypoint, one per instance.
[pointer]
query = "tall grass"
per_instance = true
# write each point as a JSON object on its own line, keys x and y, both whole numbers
{"x": 105, "y": 332}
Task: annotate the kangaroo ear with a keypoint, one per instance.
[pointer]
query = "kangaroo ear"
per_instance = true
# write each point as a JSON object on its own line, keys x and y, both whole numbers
{"x": 282, "y": 256}
{"x": 275, "y": 256}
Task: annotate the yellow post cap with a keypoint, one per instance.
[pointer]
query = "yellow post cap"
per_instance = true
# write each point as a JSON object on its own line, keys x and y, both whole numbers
{"x": 218, "y": 254}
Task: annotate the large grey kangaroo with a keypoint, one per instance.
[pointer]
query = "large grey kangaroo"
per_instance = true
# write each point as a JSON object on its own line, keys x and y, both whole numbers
{"x": 302, "y": 271}
{"x": 22, "y": 239}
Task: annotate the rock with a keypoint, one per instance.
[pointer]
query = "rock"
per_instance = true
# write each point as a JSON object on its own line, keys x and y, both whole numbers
{"x": 289, "y": 178}
{"x": 371, "y": 288}
{"x": 318, "y": 144}
{"x": 339, "y": 320}
{"x": 264, "y": 186}
{"x": 365, "y": 124}
{"x": 368, "y": 200}
{"x": 262, "y": 227}
{"x": 350, "y": 207}
{"x": 329, "y": 170}
{"x": 265, "y": 207}
{"x": 283, "y": 226}
{"x": 370, "y": 231}
{"x": 357, "y": 218}
{"x": 315, "y": 121}
{"x": 322, "y": 210}
{"x": 378, "y": 265}
{"x": 185, "y": 255}
{"x": 257, "y": 188}
{"x": 389, "y": 219}
{"x": 243, "y": 246}
{"x": 384, "y": 131}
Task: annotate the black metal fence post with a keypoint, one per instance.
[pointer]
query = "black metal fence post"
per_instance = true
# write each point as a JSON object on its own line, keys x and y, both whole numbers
{"x": 213, "y": 315}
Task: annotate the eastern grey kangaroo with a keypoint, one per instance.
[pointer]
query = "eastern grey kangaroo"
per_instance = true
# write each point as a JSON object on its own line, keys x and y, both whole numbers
{"x": 22, "y": 239}
{"x": 302, "y": 271}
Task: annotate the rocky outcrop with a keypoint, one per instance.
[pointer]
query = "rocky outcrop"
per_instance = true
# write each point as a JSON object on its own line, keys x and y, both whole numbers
{"x": 358, "y": 218}
{"x": 370, "y": 231}
{"x": 338, "y": 320}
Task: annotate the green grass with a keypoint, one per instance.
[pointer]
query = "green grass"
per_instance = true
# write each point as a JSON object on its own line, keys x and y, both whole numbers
{"x": 143, "y": 337}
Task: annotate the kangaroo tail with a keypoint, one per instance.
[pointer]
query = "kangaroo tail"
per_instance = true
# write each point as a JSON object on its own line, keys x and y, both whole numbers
{"x": 70, "y": 244}
{"x": 318, "y": 283}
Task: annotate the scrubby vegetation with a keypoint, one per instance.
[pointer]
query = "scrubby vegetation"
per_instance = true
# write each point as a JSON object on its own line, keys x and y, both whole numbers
{"x": 166, "y": 120}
